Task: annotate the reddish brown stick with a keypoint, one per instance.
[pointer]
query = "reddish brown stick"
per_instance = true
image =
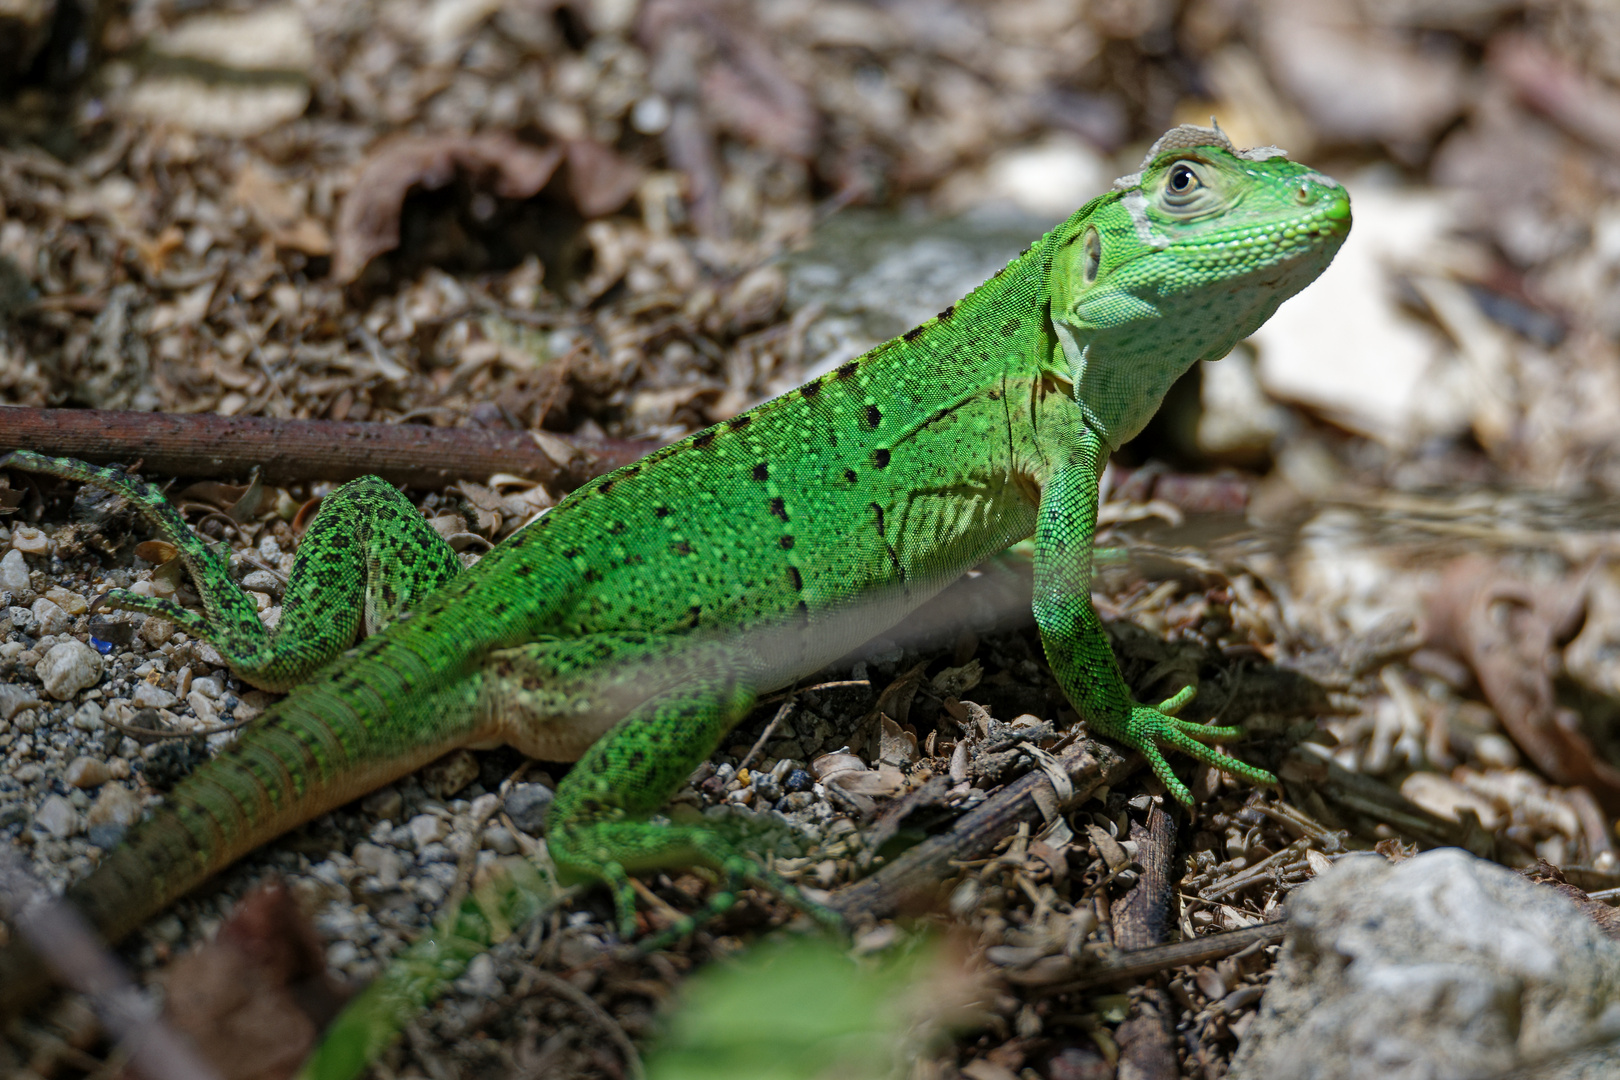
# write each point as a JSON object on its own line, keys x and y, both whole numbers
{"x": 204, "y": 445}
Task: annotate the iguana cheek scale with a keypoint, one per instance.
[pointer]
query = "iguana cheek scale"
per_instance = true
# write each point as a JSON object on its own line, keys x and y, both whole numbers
{"x": 633, "y": 625}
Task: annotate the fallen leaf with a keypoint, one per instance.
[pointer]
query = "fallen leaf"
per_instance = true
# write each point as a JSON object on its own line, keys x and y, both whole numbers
{"x": 255, "y": 998}
{"x": 368, "y": 223}
{"x": 598, "y": 182}
{"x": 1508, "y": 630}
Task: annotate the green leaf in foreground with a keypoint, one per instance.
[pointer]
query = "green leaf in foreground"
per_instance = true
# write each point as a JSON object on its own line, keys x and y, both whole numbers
{"x": 804, "y": 1009}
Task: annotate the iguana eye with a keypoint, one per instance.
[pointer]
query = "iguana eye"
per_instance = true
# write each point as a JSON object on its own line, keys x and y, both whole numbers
{"x": 1182, "y": 179}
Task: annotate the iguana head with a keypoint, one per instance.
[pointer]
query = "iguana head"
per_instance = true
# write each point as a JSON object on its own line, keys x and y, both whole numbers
{"x": 1181, "y": 261}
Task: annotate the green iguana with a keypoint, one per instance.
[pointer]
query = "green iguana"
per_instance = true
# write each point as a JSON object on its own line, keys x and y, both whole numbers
{"x": 639, "y": 620}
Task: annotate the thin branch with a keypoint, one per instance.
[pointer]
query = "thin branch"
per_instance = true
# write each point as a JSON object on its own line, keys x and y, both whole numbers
{"x": 206, "y": 445}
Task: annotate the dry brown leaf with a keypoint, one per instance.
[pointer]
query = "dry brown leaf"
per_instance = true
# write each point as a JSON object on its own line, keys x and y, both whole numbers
{"x": 599, "y": 180}
{"x": 255, "y": 998}
{"x": 368, "y": 223}
{"x": 1507, "y": 630}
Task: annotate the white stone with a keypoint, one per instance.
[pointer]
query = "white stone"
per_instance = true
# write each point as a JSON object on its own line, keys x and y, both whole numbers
{"x": 30, "y": 541}
{"x": 13, "y": 570}
{"x": 203, "y": 707}
{"x": 1439, "y": 965}
{"x": 66, "y": 599}
{"x": 49, "y": 617}
{"x": 88, "y": 717}
{"x": 150, "y": 696}
{"x": 57, "y": 817}
{"x": 427, "y": 829}
{"x": 381, "y": 861}
{"x": 69, "y": 667}
{"x": 208, "y": 686}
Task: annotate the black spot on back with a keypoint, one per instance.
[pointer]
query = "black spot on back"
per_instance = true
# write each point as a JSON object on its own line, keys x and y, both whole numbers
{"x": 913, "y": 334}
{"x": 795, "y": 578}
{"x": 761, "y": 472}
{"x": 880, "y": 458}
{"x": 846, "y": 370}
{"x": 737, "y": 423}
{"x": 779, "y": 508}
{"x": 682, "y": 548}
{"x": 703, "y": 440}
{"x": 810, "y": 389}
{"x": 873, "y": 416}
{"x": 786, "y": 542}
{"x": 661, "y": 511}
{"x": 947, "y": 313}
{"x": 850, "y": 475}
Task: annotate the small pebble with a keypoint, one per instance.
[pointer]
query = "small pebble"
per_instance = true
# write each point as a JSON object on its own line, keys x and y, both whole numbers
{"x": 386, "y": 803}
{"x": 21, "y": 619}
{"x": 435, "y": 853}
{"x": 427, "y": 829}
{"x": 156, "y": 631}
{"x": 13, "y": 571}
{"x": 30, "y": 541}
{"x": 66, "y": 599}
{"x": 208, "y": 686}
{"x": 203, "y": 707}
{"x": 115, "y": 805}
{"x": 69, "y": 667}
{"x": 381, "y": 861}
{"x": 500, "y": 839}
{"x": 526, "y": 805}
{"x": 480, "y": 979}
{"x": 87, "y": 772}
{"x": 450, "y": 773}
{"x": 57, "y": 817}
{"x": 49, "y": 617}
{"x": 15, "y": 697}
{"x": 799, "y": 780}
{"x": 148, "y": 696}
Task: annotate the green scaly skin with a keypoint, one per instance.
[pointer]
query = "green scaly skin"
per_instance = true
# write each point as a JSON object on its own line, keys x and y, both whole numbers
{"x": 638, "y": 621}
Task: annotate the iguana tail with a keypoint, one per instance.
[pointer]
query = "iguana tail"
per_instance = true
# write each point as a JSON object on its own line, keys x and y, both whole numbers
{"x": 368, "y": 721}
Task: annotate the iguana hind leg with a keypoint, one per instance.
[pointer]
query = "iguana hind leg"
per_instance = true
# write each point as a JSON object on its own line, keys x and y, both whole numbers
{"x": 367, "y": 555}
{"x": 599, "y": 826}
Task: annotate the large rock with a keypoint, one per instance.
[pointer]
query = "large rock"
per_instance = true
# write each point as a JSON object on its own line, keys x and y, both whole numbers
{"x": 1440, "y": 966}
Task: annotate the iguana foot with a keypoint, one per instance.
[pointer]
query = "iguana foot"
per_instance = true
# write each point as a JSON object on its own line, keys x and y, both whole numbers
{"x": 1151, "y": 727}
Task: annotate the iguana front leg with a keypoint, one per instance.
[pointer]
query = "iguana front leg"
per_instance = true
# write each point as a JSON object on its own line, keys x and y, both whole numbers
{"x": 1076, "y": 644}
{"x": 367, "y": 555}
